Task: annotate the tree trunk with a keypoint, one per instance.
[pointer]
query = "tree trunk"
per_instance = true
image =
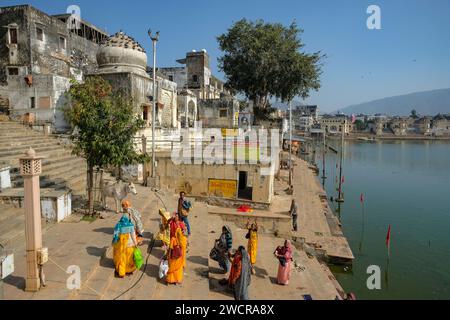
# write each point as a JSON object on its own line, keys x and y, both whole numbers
{"x": 120, "y": 172}
{"x": 91, "y": 189}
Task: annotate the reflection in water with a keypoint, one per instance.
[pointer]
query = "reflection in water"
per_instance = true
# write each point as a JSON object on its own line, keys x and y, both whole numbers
{"x": 405, "y": 184}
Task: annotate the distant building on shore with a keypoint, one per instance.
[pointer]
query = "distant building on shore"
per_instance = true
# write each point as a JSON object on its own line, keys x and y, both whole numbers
{"x": 334, "y": 124}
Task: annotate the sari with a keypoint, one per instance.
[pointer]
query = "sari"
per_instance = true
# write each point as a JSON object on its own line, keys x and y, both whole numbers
{"x": 224, "y": 246}
{"x": 164, "y": 228}
{"x": 284, "y": 269}
{"x": 176, "y": 265}
{"x": 124, "y": 241}
{"x": 174, "y": 225}
{"x": 240, "y": 274}
{"x": 252, "y": 245}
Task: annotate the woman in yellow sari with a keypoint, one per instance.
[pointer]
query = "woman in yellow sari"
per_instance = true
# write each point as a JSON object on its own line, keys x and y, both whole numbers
{"x": 252, "y": 246}
{"x": 124, "y": 243}
{"x": 177, "y": 258}
{"x": 164, "y": 228}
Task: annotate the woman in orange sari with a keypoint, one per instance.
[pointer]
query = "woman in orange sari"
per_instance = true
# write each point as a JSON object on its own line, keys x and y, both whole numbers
{"x": 177, "y": 258}
{"x": 176, "y": 223}
{"x": 240, "y": 274}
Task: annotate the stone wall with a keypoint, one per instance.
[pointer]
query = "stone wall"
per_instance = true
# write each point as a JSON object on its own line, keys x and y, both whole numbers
{"x": 194, "y": 178}
{"x": 212, "y": 112}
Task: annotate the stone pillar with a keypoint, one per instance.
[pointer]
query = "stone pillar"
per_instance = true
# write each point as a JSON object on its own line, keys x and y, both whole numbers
{"x": 30, "y": 169}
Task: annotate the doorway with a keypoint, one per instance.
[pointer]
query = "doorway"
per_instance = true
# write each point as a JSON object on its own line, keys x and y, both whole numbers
{"x": 244, "y": 192}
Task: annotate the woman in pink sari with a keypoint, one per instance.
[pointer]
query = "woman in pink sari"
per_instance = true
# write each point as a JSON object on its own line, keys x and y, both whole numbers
{"x": 284, "y": 256}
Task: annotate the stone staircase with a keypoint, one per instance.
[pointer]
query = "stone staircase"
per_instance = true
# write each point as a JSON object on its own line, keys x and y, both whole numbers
{"x": 60, "y": 169}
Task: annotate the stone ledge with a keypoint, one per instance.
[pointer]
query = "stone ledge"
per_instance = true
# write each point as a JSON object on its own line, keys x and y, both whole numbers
{"x": 56, "y": 205}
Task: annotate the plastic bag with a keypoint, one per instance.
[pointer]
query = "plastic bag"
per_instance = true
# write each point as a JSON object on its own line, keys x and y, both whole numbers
{"x": 163, "y": 268}
{"x": 138, "y": 259}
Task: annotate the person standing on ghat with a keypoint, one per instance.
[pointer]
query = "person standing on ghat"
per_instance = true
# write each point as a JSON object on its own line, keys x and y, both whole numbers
{"x": 294, "y": 214}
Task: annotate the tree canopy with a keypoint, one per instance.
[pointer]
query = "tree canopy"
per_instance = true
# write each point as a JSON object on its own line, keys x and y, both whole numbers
{"x": 264, "y": 60}
{"x": 105, "y": 124}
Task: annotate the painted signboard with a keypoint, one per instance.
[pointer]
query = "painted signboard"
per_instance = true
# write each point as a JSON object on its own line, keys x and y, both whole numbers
{"x": 222, "y": 188}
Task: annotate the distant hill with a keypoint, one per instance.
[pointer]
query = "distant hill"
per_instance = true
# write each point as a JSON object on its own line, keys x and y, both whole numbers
{"x": 425, "y": 103}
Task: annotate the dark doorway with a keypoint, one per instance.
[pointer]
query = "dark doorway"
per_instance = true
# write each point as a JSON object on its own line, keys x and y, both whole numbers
{"x": 244, "y": 192}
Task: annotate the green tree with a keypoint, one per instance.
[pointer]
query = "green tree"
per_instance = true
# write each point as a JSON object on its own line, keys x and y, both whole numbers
{"x": 360, "y": 125}
{"x": 105, "y": 125}
{"x": 263, "y": 60}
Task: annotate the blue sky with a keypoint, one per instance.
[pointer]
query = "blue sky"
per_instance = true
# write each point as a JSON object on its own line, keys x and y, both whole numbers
{"x": 410, "y": 53}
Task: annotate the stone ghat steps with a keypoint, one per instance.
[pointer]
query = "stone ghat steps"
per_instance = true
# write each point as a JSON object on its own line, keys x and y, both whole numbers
{"x": 60, "y": 169}
{"x": 48, "y": 150}
{"x": 25, "y": 145}
{"x": 12, "y": 223}
{"x": 12, "y": 226}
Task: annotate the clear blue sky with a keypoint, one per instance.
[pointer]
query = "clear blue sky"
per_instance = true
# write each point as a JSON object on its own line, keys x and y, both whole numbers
{"x": 410, "y": 53}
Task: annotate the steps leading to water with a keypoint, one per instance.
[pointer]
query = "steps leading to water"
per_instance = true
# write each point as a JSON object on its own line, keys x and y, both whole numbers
{"x": 60, "y": 169}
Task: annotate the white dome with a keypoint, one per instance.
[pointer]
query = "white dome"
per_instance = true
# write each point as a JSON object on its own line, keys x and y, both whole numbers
{"x": 121, "y": 50}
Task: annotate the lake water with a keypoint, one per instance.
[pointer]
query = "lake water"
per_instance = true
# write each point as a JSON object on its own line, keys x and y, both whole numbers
{"x": 406, "y": 184}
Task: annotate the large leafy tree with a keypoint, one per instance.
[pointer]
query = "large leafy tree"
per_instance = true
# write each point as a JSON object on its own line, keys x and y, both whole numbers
{"x": 264, "y": 60}
{"x": 105, "y": 125}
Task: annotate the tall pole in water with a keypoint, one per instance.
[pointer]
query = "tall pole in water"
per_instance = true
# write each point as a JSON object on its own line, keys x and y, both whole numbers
{"x": 324, "y": 177}
{"x": 290, "y": 143}
{"x": 340, "y": 197}
{"x": 154, "y": 40}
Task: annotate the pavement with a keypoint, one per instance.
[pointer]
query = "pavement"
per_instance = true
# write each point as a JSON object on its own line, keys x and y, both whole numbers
{"x": 88, "y": 246}
{"x": 73, "y": 242}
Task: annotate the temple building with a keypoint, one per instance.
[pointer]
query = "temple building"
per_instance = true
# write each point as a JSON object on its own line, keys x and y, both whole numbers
{"x": 123, "y": 63}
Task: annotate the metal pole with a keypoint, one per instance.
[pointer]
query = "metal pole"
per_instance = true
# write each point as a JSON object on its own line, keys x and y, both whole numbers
{"x": 290, "y": 143}
{"x": 324, "y": 177}
{"x": 154, "y": 40}
{"x": 340, "y": 198}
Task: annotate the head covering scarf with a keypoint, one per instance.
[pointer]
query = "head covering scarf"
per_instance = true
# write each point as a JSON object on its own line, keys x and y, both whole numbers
{"x": 226, "y": 238}
{"x": 164, "y": 214}
{"x": 122, "y": 227}
{"x": 242, "y": 283}
{"x": 126, "y": 204}
{"x": 287, "y": 249}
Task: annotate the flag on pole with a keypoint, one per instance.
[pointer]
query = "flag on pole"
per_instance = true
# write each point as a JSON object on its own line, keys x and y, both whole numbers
{"x": 343, "y": 179}
{"x": 361, "y": 198}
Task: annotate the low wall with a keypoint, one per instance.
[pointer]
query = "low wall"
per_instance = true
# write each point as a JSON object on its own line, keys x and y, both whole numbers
{"x": 267, "y": 222}
{"x": 5, "y": 178}
{"x": 55, "y": 205}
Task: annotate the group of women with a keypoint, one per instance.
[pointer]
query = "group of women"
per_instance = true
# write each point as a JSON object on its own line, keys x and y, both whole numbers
{"x": 128, "y": 232}
{"x": 241, "y": 264}
{"x": 173, "y": 233}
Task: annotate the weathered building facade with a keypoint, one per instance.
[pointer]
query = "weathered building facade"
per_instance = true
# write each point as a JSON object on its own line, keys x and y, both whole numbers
{"x": 38, "y": 57}
{"x": 219, "y": 113}
{"x": 335, "y": 124}
{"x": 123, "y": 63}
{"x": 195, "y": 75}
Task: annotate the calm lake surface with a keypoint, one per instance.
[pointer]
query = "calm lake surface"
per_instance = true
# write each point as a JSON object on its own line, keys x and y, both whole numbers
{"x": 405, "y": 184}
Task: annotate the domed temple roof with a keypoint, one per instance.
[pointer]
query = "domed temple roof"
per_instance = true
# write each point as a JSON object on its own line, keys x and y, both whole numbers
{"x": 121, "y": 53}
